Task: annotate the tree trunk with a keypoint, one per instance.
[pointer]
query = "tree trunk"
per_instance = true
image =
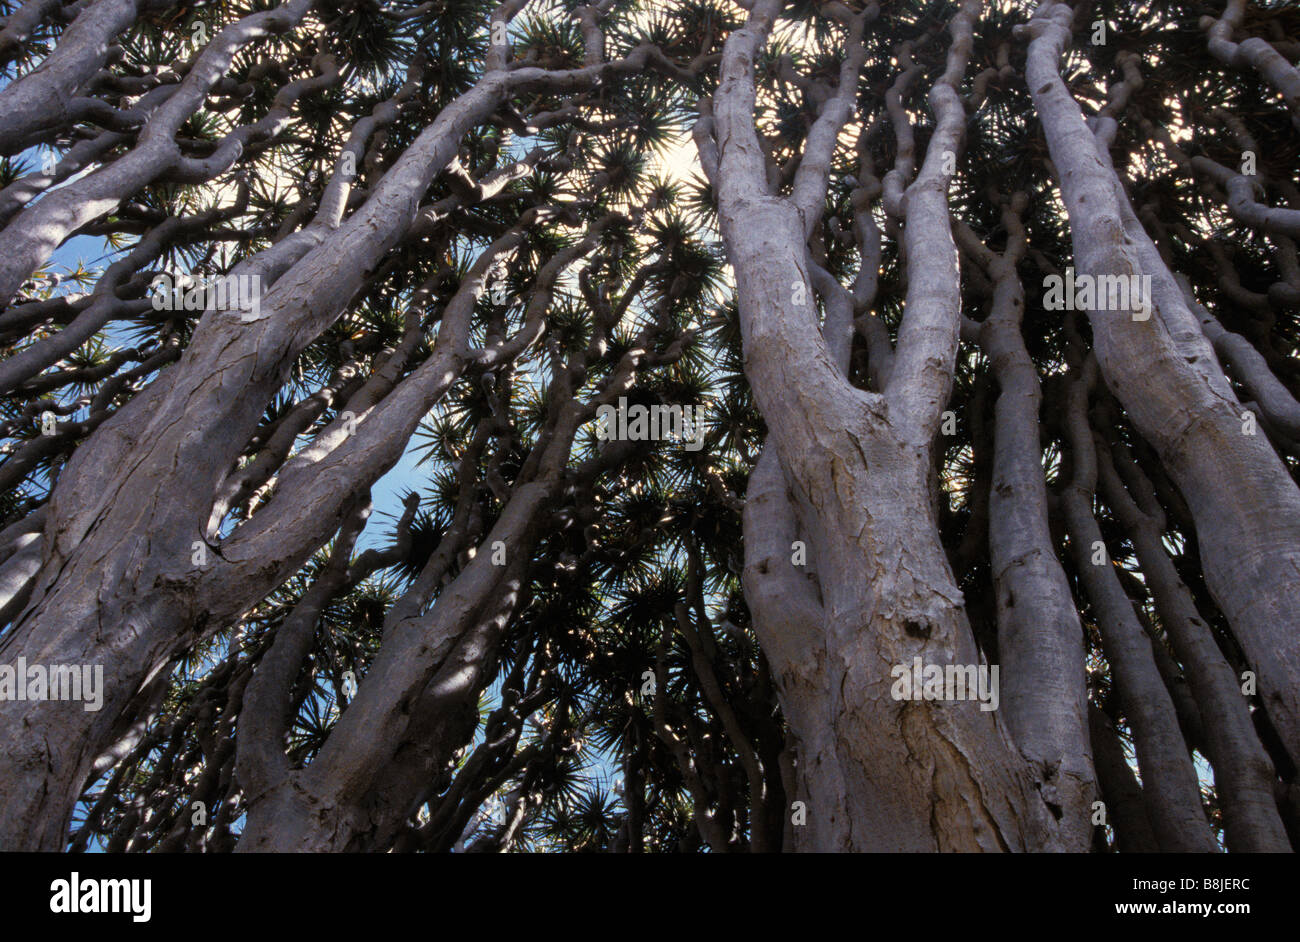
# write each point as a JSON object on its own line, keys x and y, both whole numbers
{"x": 917, "y": 775}
{"x": 1162, "y": 369}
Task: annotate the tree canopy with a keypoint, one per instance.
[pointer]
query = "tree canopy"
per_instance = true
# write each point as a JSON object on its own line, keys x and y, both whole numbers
{"x": 314, "y": 315}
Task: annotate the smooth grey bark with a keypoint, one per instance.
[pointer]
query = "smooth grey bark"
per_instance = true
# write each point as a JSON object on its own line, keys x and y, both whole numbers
{"x": 41, "y": 102}
{"x": 20, "y": 24}
{"x": 117, "y": 586}
{"x": 26, "y": 363}
{"x": 1040, "y": 638}
{"x": 1124, "y": 805}
{"x": 35, "y": 232}
{"x": 1249, "y": 366}
{"x": 789, "y": 619}
{"x": 81, "y": 155}
{"x": 1240, "y": 189}
{"x": 1258, "y": 53}
{"x": 1244, "y": 776}
{"x": 1162, "y": 369}
{"x": 266, "y": 716}
{"x": 917, "y": 775}
{"x": 1169, "y": 785}
{"x": 416, "y": 704}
